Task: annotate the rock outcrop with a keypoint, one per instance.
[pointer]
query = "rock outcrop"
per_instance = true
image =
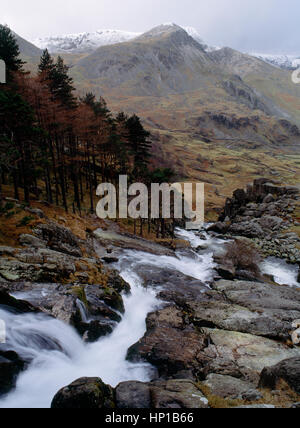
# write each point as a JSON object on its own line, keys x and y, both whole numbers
{"x": 85, "y": 393}
{"x": 264, "y": 213}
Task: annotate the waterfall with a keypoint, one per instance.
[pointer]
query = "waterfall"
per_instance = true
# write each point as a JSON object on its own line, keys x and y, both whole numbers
{"x": 57, "y": 354}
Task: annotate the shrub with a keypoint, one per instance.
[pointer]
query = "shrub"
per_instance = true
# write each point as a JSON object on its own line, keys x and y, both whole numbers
{"x": 244, "y": 257}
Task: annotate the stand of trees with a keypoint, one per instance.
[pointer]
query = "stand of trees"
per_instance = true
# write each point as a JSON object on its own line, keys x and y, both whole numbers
{"x": 49, "y": 135}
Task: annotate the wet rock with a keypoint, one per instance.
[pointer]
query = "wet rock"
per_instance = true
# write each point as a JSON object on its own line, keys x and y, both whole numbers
{"x": 96, "y": 295}
{"x": 227, "y": 386}
{"x": 110, "y": 260}
{"x": 177, "y": 394}
{"x": 169, "y": 344}
{"x": 108, "y": 239}
{"x": 170, "y": 394}
{"x": 287, "y": 370}
{"x": 10, "y": 367}
{"x": 233, "y": 317}
{"x": 66, "y": 310}
{"x": 241, "y": 355}
{"x": 133, "y": 395}
{"x": 176, "y": 285}
{"x": 17, "y": 305}
{"x": 219, "y": 227}
{"x": 91, "y": 332}
{"x": 116, "y": 282}
{"x": 58, "y": 238}
{"x": 273, "y": 308}
{"x": 85, "y": 393}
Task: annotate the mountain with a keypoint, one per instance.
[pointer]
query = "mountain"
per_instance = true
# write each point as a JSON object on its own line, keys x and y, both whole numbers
{"x": 27, "y": 49}
{"x": 165, "y": 60}
{"x": 88, "y": 42}
{"x": 84, "y": 42}
{"x": 287, "y": 62}
{"x": 215, "y": 115}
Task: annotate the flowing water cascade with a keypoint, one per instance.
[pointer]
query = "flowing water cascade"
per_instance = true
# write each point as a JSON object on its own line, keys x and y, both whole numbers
{"x": 282, "y": 272}
{"x": 58, "y": 355}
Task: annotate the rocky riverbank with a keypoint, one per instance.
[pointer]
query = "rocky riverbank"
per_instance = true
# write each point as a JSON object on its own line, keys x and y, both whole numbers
{"x": 229, "y": 339}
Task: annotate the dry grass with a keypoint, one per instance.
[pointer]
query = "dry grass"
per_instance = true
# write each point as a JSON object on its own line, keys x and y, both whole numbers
{"x": 283, "y": 397}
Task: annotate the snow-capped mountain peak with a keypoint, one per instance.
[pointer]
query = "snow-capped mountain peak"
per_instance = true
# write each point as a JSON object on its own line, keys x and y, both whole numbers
{"x": 289, "y": 62}
{"x": 90, "y": 41}
{"x": 84, "y": 42}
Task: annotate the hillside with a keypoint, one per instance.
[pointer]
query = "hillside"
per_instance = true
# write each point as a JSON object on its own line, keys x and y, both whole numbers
{"x": 27, "y": 49}
{"x": 222, "y": 117}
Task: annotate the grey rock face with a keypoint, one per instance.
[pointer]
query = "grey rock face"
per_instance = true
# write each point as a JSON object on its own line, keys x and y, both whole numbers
{"x": 227, "y": 386}
{"x": 58, "y": 238}
{"x": 133, "y": 395}
{"x": 170, "y": 394}
{"x": 288, "y": 370}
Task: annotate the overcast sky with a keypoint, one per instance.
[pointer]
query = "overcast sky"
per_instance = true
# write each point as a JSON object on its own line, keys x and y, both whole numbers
{"x": 249, "y": 25}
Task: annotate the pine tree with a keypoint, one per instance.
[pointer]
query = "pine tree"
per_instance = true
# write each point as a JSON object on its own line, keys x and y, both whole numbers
{"x": 46, "y": 65}
{"x": 56, "y": 76}
{"x": 62, "y": 86}
{"x": 9, "y": 52}
{"x": 139, "y": 145}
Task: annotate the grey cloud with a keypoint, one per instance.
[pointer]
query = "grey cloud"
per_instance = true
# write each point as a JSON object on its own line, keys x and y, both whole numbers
{"x": 248, "y": 25}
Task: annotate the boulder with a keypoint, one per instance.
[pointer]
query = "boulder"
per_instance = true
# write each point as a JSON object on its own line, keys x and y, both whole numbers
{"x": 58, "y": 238}
{"x": 273, "y": 308}
{"x": 95, "y": 329}
{"x": 133, "y": 395}
{"x": 241, "y": 355}
{"x": 232, "y": 317}
{"x": 17, "y": 305}
{"x": 32, "y": 241}
{"x": 168, "y": 344}
{"x": 85, "y": 393}
{"x": 10, "y": 367}
{"x": 227, "y": 386}
{"x": 287, "y": 370}
{"x": 170, "y": 394}
{"x": 177, "y": 394}
{"x": 219, "y": 227}
{"x": 96, "y": 295}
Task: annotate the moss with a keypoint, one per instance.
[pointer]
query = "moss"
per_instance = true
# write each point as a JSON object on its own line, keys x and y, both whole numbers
{"x": 79, "y": 292}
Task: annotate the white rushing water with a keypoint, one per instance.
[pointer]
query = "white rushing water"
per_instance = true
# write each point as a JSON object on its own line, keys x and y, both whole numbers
{"x": 283, "y": 273}
{"x": 59, "y": 356}
{"x": 51, "y": 369}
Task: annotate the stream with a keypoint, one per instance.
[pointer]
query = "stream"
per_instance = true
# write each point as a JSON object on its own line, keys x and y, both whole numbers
{"x": 59, "y": 356}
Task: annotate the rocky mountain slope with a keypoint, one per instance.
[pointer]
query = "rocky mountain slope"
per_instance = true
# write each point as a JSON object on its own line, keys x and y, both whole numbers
{"x": 222, "y": 117}
{"x": 89, "y": 41}
{"x": 286, "y": 62}
{"x": 28, "y": 50}
{"x": 162, "y": 61}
